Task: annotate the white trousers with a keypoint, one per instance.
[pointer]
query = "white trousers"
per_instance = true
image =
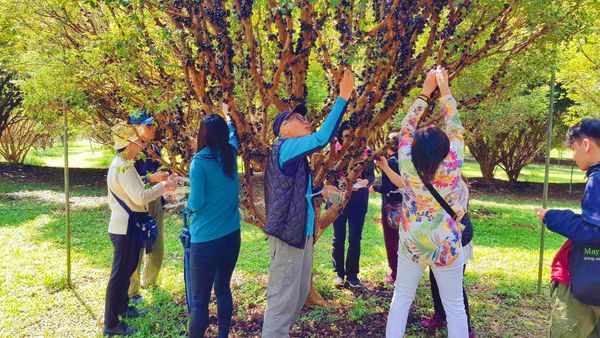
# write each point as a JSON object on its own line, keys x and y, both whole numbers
{"x": 450, "y": 282}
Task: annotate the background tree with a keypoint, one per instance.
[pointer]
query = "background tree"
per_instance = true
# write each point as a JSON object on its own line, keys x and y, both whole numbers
{"x": 10, "y": 98}
{"x": 580, "y": 71}
{"x": 19, "y": 137}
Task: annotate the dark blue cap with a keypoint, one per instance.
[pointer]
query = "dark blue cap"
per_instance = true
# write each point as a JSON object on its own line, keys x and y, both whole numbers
{"x": 141, "y": 117}
{"x": 281, "y": 117}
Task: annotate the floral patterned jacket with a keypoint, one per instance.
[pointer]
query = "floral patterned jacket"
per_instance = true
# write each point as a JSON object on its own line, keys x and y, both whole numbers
{"x": 428, "y": 234}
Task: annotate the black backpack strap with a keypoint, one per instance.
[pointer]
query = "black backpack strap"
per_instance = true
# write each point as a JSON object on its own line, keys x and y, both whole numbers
{"x": 440, "y": 200}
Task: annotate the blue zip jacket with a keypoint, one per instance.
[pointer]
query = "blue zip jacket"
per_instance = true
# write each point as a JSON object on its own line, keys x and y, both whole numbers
{"x": 301, "y": 147}
{"x": 214, "y": 197}
{"x": 583, "y": 228}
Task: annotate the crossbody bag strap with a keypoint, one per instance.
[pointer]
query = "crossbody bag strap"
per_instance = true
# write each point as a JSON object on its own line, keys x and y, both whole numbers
{"x": 440, "y": 200}
{"x": 123, "y": 204}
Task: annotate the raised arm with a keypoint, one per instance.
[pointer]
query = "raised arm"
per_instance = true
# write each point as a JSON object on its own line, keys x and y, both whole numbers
{"x": 394, "y": 177}
{"x": 300, "y": 147}
{"x": 410, "y": 121}
{"x": 454, "y": 128}
{"x": 233, "y": 140}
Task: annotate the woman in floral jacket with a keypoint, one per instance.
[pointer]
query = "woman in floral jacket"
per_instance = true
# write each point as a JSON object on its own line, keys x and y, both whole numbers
{"x": 429, "y": 235}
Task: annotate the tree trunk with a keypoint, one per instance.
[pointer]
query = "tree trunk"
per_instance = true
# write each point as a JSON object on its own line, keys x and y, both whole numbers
{"x": 513, "y": 174}
{"x": 487, "y": 170}
{"x": 314, "y": 297}
{"x": 485, "y": 155}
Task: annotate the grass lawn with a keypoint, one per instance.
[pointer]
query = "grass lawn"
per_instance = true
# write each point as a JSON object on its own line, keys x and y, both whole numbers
{"x": 82, "y": 154}
{"x": 531, "y": 173}
{"x": 34, "y": 299}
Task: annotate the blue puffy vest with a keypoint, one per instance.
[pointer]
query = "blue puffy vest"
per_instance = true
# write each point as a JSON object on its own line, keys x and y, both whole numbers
{"x": 285, "y": 198}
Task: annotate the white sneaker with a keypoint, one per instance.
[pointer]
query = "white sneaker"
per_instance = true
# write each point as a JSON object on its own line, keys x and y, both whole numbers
{"x": 338, "y": 281}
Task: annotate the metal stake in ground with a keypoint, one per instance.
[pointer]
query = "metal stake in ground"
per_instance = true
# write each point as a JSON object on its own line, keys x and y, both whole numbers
{"x": 546, "y": 177}
{"x": 67, "y": 203}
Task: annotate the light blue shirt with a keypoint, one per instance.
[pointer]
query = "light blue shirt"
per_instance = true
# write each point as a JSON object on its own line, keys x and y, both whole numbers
{"x": 301, "y": 147}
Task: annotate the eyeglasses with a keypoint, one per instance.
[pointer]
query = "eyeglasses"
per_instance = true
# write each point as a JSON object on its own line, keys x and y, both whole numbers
{"x": 297, "y": 117}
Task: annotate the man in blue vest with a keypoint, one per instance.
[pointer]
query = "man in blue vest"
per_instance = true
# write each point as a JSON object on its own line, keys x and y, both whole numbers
{"x": 290, "y": 213}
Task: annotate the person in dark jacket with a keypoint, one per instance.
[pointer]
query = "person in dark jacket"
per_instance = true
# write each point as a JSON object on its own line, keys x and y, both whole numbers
{"x": 570, "y": 317}
{"x": 289, "y": 209}
{"x": 390, "y": 194}
{"x": 354, "y": 216}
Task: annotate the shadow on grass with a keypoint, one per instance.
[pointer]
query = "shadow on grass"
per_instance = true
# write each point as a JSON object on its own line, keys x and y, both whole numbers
{"x": 16, "y": 213}
{"x": 96, "y": 317}
{"x": 89, "y": 237}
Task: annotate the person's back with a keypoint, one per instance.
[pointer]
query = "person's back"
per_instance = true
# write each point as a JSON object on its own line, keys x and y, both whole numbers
{"x": 215, "y": 223}
{"x": 214, "y": 201}
{"x": 428, "y": 233}
{"x": 434, "y": 200}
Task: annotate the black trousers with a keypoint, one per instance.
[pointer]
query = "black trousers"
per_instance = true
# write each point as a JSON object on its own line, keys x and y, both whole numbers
{"x": 437, "y": 301}
{"x": 211, "y": 263}
{"x": 355, "y": 227}
{"x": 125, "y": 260}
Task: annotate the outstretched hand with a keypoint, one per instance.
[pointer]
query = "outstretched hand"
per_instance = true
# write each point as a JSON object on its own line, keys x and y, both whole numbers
{"x": 347, "y": 84}
{"x": 441, "y": 77}
{"x": 541, "y": 213}
{"x": 429, "y": 84}
{"x": 159, "y": 176}
{"x": 225, "y": 110}
{"x": 327, "y": 189}
{"x": 382, "y": 163}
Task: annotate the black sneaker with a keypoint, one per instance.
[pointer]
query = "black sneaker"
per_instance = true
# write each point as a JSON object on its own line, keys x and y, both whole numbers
{"x": 119, "y": 330}
{"x": 354, "y": 283}
{"x": 137, "y": 299}
{"x": 133, "y": 312}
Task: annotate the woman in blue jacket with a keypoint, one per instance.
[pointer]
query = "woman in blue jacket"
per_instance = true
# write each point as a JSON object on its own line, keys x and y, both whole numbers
{"x": 215, "y": 223}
